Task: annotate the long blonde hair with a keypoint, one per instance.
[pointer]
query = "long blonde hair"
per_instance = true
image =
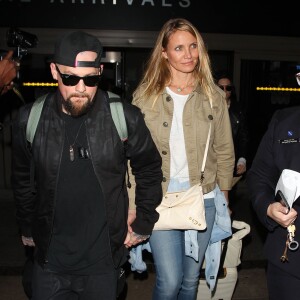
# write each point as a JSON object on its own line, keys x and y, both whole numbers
{"x": 158, "y": 74}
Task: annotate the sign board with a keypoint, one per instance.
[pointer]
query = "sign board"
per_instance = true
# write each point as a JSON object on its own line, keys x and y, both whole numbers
{"x": 235, "y": 17}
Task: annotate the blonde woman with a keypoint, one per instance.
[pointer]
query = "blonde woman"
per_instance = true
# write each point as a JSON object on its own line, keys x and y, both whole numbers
{"x": 179, "y": 100}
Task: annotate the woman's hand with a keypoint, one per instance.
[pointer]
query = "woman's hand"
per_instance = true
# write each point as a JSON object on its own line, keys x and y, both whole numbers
{"x": 240, "y": 169}
{"x": 28, "y": 241}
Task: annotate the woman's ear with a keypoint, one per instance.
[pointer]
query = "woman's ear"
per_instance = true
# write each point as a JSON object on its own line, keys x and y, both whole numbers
{"x": 164, "y": 53}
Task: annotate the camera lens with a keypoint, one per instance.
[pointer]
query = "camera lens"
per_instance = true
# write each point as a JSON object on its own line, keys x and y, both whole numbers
{"x": 19, "y": 38}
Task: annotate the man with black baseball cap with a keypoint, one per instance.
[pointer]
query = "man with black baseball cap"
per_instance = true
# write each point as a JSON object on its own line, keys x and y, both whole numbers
{"x": 69, "y": 45}
{"x": 78, "y": 53}
{"x": 75, "y": 214}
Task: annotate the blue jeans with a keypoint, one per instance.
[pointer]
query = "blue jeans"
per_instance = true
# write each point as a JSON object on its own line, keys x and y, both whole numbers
{"x": 177, "y": 275}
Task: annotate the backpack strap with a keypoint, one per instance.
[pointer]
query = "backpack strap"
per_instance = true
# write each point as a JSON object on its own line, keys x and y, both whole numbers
{"x": 116, "y": 107}
{"x": 34, "y": 117}
{"x": 118, "y": 116}
{"x": 32, "y": 123}
{"x": 117, "y": 113}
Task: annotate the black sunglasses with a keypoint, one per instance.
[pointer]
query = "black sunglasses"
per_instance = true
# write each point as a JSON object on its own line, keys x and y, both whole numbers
{"x": 228, "y": 88}
{"x": 71, "y": 80}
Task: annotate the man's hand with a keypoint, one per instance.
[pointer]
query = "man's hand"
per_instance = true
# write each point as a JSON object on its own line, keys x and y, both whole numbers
{"x": 8, "y": 71}
{"x": 133, "y": 239}
{"x": 280, "y": 214}
{"x": 130, "y": 220}
{"x": 131, "y": 216}
{"x": 28, "y": 241}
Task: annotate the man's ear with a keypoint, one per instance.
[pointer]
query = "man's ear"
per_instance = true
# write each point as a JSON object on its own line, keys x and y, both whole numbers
{"x": 101, "y": 69}
{"x": 53, "y": 71}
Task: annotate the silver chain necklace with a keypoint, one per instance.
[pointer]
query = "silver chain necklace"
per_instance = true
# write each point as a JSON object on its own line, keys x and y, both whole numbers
{"x": 180, "y": 89}
{"x": 71, "y": 147}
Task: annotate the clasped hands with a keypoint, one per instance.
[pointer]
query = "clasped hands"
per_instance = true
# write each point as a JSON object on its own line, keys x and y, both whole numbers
{"x": 133, "y": 238}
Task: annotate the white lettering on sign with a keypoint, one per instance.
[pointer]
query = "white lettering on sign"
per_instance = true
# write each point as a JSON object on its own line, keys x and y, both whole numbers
{"x": 185, "y": 3}
{"x": 163, "y": 3}
{"x": 150, "y": 1}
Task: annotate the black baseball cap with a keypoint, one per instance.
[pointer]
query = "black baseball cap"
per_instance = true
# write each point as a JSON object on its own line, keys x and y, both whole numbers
{"x": 70, "y": 44}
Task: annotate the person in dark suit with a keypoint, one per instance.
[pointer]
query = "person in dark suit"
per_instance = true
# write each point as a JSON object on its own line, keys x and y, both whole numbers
{"x": 279, "y": 149}
{"x": 238, "y": 125}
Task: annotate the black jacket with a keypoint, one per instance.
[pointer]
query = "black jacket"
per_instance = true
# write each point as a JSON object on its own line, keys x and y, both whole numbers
{"x": 35, "y": 209}
{"x": 278, "y": 150}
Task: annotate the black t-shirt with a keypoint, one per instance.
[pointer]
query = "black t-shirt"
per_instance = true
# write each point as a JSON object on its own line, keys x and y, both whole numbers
{"x": 79, "y": 243}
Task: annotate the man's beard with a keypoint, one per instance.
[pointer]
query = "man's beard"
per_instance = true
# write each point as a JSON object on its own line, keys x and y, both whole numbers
{"x": 77, "y": 108}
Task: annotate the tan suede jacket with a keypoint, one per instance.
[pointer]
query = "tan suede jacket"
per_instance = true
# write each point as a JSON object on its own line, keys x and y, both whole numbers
{"x": 197, "y": 115}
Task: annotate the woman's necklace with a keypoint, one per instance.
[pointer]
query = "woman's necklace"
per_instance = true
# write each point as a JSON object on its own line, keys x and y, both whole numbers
{"x": 180, "y": 89}
{"x": 71, "y": 148}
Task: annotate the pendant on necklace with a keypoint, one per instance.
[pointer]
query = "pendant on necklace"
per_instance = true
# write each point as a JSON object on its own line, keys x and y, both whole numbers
{"x": 72, "y": 157}
{"x": 179, "y": 90}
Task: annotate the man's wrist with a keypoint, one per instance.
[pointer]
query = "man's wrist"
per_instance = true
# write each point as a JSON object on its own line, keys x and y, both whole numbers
{"x": 140, "y": 236}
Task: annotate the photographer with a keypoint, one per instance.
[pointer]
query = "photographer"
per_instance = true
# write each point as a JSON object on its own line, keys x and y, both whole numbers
{"x": 8, "y": 71}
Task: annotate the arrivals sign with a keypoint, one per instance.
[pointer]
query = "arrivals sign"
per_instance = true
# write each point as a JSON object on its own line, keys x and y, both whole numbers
{"x": 210, "y": 16}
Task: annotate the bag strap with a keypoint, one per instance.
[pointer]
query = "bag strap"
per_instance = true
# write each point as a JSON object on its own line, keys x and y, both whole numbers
{"x": 118, "y": 116}
{"x": 206, "y": 149}
{"x": 34, "y": 117}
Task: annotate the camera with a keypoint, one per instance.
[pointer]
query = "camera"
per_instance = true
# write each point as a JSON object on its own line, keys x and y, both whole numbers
{"x": 18, "y": 38}
{"x": 21, "y": 40}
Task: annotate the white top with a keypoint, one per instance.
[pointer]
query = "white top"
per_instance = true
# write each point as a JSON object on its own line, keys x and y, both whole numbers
{"x": 178, "y": 167}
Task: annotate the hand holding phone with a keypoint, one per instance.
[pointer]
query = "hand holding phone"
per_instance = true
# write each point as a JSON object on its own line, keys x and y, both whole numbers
{"x": 283, "y": 201}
